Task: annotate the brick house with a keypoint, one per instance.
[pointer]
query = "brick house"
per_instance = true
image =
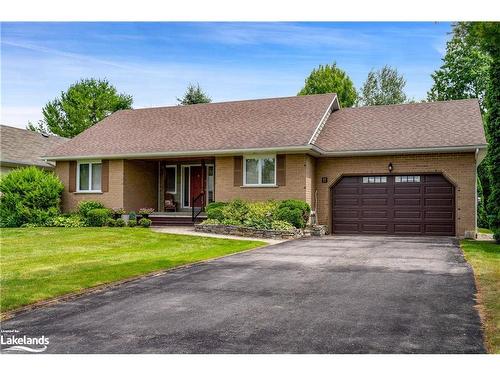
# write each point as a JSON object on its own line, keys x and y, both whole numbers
{"x": 395, "y": 169}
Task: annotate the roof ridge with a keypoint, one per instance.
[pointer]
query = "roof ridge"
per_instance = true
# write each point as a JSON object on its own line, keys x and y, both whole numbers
{"x": 233, "y": 101}
{"x": 411, "y": 104}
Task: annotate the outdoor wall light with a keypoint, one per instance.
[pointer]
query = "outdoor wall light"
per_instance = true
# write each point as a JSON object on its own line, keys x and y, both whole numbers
{"x": 390, "y": 167}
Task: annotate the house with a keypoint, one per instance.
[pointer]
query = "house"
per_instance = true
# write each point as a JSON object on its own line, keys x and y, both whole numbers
{"x": 405, "y": 169}
{"x": 22, "y": 148}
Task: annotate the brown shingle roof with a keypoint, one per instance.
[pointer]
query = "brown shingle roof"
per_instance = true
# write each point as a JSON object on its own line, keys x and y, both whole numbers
{"x": 403, "y": 126}
{"x": 278, "y": 122}
{"x": 24, "y": 147}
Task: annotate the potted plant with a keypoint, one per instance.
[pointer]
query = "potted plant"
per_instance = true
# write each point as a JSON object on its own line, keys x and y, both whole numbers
{"x": 118, "y": 212}
{"x": 145, "y": 212}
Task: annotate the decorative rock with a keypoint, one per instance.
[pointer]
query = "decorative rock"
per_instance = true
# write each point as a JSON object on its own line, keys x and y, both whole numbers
{"x": 248, "y": 232}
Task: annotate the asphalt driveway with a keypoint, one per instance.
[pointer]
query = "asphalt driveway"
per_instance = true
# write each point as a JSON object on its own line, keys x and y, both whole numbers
{"x": 325, "y": 295}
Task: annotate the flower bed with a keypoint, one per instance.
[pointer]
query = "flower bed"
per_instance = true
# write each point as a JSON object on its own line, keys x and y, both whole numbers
{"x": 236, "y": 230}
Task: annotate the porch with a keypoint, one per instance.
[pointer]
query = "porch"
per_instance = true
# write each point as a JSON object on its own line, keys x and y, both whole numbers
{"x": 182, "y": 189}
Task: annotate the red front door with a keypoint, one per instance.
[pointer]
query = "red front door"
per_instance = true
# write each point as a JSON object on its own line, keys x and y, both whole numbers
{"x": 196, "y": 185}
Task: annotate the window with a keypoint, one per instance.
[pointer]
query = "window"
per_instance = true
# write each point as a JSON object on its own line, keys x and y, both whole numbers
{"x": 406, "y": 179}
{"x": 259, "y": 170}
{"x": 375, "y": 180}
{"x": 89, "y": 176}
{"x": 171, "y": 179}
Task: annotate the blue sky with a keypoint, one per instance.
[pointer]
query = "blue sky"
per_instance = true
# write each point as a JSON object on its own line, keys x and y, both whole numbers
{"x": 154, "y": 62}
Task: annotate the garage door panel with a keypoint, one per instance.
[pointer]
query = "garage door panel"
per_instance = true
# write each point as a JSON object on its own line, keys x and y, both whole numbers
{"x": 407, "y": 201}
{"x": 423, "y": 205}
{"x": 371, "y": 201}
{"x": 346, "y": 214}
{"x": 407, "y": 214}
{"x": 407, "y": 228}
{"x": 374, "y": 228}
{"x": 374, "y": 214}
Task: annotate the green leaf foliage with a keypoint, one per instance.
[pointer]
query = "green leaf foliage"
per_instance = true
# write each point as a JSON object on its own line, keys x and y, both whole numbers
{"x": 384, "y": 86}
{"x": 84, "y": 104}
{"x": 330, "y": 79}
{"x": 194, "y": 95}
{"x": 29, "y": 196}
{"x": 98, "y": 217}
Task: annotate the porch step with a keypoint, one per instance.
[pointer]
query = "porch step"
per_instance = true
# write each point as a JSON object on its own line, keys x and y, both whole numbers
{"x": 174, "y": 220}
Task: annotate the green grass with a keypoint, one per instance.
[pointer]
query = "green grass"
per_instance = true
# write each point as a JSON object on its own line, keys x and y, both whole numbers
{"x": 484, "y": 230}
{"x": 41, "y": 263}
{"x": 484, "y": 257}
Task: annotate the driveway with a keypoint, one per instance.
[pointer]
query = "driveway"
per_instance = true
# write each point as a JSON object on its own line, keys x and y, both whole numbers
{"x": 324, "y": 295}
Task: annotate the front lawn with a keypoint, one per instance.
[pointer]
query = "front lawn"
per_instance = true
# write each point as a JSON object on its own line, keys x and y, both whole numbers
{"x": 40, "y": 263}
{"x": 484, "y": 257}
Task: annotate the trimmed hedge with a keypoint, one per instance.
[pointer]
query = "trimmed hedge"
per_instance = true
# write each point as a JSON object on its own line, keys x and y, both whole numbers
{"x": 98, "y": 217}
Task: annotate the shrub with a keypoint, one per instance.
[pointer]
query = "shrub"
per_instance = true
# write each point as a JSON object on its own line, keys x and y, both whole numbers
{"x": 72, "y": 221}
{"x": 232, "y": 222}
{"x": 496, "y": 235}
{"x": 132, "y": 216}
{"x": 211, "y": 222}
{"x": 261, "y": 214}
{"x": 281, "y": 225}
{"x": 29, "y": 195}
{"x": 98, "y": 217}
{"x": 132, "y": 223}
{"x": 84, "y": 207}
{"x": 118, "y": 211}
{"x": 111, "y": 222}
{"x": 145, "y": 223}
{"x": 294, "y": 211}
{"x": 214, "y": 210}
{"x": 236, "y": 211}
{"x": 120, "y": 222}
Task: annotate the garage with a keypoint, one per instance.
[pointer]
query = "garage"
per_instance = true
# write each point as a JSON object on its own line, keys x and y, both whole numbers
{"x": 416, "y": 204}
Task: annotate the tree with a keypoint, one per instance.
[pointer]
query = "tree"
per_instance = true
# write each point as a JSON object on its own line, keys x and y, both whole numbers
{"x": 81, "y": 106}
{"x": 194, "y": 95}
{"x": 384, "y": 86}
{"x": 488, "y": 35}
{"x": 464, "y": 73}
{"x": 330, "y": 79}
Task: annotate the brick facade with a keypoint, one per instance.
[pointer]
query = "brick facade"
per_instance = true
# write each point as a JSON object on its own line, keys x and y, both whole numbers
{"x": 296, "y": 186}
{"x": 134, "y": 184}
{"x": 459, "y": 169}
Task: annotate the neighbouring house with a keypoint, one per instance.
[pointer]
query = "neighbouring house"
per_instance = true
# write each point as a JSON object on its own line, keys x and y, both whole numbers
{"x": 22, "y": 148}
{"x": 405, "y": 169}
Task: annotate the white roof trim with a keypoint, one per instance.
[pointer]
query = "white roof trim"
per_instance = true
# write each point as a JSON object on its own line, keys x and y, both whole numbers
{"x": 322, "y": 122}
{"x": 396, "y": 151}
{"x": 166, "y": 154}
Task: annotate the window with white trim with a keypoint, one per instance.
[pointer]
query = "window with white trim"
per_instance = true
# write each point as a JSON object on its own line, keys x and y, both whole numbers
{"x": 406, "y": 179}
{"x": 375, "y": 180}
{"x": 89, "y": 176}
{"x": 259, "y": 170}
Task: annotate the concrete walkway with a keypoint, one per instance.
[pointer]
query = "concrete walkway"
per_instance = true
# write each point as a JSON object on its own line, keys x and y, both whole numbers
{"x": 189, "y": 230}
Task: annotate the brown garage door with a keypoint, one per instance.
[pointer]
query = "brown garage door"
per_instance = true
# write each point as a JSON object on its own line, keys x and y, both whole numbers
{"x": 409, "y": 204}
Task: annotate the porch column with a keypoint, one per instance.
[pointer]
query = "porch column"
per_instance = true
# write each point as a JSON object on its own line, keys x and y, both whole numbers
{"x": 203, "y": 181}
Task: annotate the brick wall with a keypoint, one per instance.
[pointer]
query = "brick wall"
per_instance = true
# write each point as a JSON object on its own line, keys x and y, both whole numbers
{"x": 296, "y": 186}
{"x": 112, "y": 198}
{"x": 460, "y": 169}
{"x": 140, "y": 184}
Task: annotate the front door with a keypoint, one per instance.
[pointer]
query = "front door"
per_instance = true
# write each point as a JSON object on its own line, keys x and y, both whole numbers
{"x": 196, "y": 185}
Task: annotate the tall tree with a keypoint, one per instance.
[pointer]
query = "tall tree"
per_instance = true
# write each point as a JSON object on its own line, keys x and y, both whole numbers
{"x": 330, "y": 79}
{"x": 81, "y": 106}
{"x": 488, "y": 34}
{"x": 194, "y": 95}
{"x": 384, "y": 86}
{"x": 464, "y": 73}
